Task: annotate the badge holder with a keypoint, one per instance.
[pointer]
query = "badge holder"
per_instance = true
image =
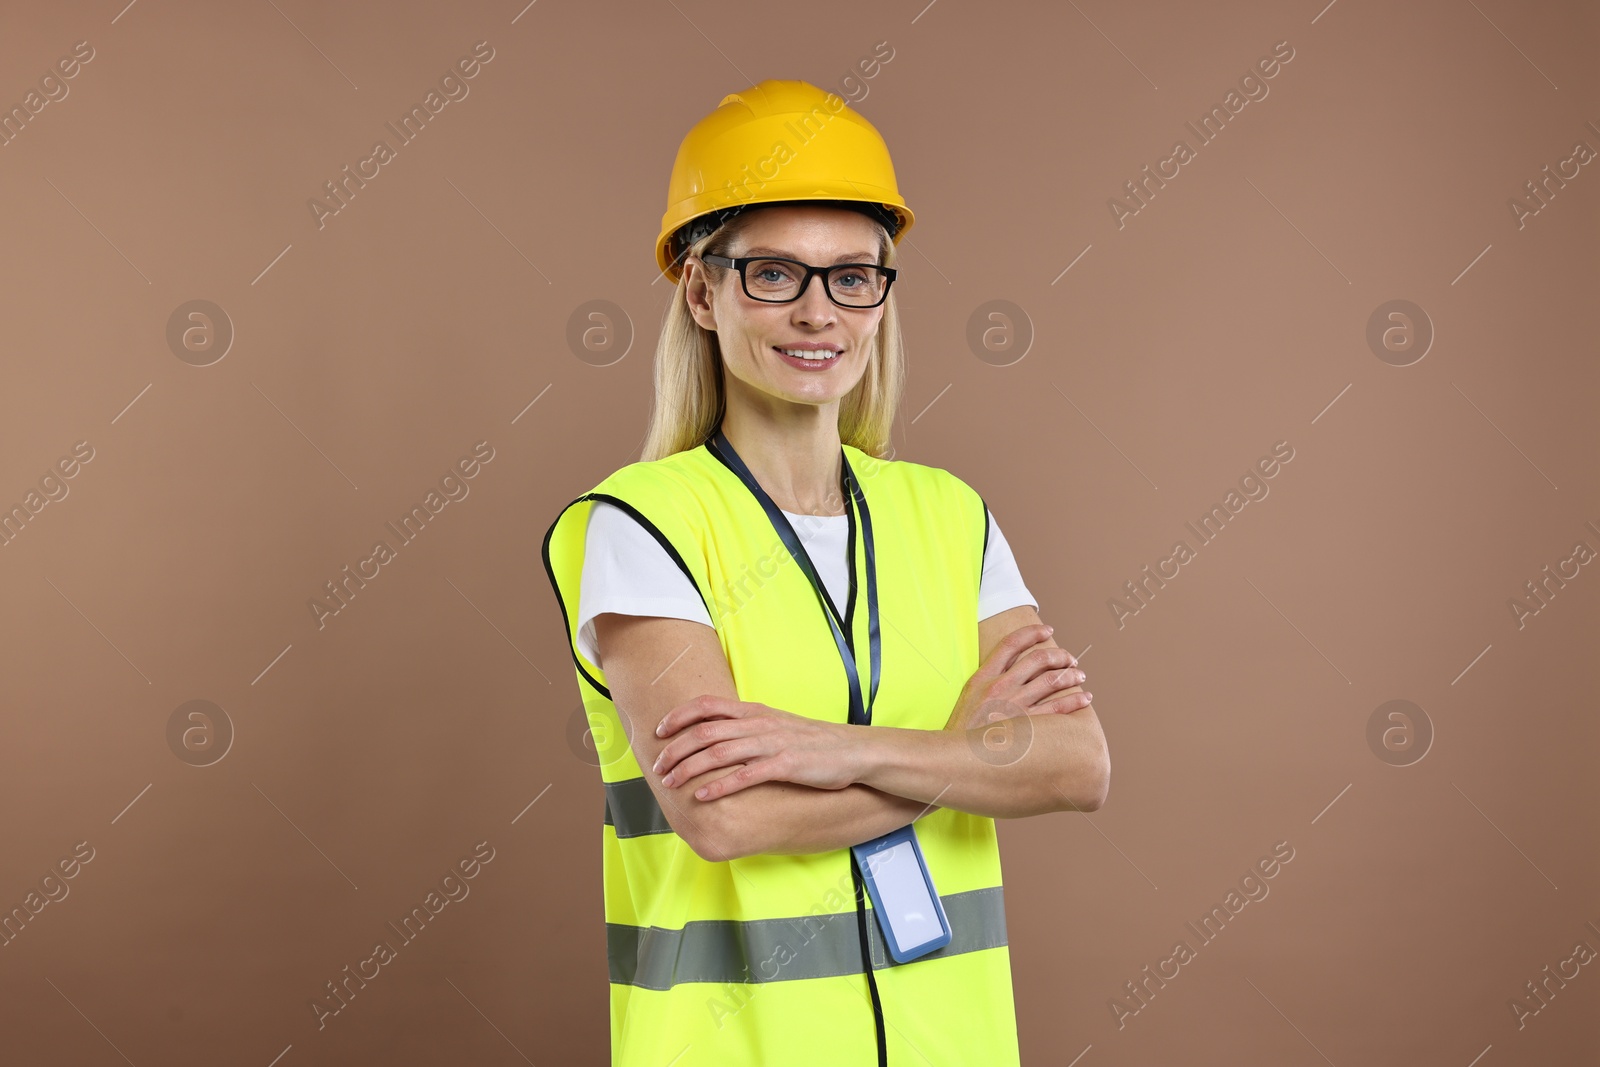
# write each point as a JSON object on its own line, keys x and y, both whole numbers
{"x": 910, "y": 913}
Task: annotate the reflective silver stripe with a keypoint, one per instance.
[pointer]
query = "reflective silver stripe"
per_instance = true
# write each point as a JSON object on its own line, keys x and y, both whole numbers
{"x": 633, "y": 810}
{"x": 778, "y": 950}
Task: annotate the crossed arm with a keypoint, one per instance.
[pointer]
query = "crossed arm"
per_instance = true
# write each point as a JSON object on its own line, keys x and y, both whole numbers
{"x": 847, "y": 784}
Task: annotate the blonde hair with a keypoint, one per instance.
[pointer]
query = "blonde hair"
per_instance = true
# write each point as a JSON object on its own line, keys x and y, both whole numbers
{"x": 689, "y": 400}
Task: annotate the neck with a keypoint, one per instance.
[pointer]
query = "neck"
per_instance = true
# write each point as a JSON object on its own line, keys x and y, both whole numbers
{"x": 793, "y": 451}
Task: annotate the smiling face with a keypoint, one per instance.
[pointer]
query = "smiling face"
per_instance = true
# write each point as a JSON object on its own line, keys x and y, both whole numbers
{"x": 753, "y": 336}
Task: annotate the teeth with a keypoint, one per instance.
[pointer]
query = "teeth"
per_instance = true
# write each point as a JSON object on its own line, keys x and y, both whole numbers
{"x": 816, "y": 356}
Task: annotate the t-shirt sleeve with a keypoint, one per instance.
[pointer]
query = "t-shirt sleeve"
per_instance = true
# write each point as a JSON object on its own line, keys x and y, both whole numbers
{"x": 626, "y": 570}
{"x": 1001, "y": 585}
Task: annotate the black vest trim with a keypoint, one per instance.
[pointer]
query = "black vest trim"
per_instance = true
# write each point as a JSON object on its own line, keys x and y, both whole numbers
{"x": 660, "y": 537}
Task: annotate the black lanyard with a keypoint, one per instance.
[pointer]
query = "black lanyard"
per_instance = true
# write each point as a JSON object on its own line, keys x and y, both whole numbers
{"x": 860, "y": 712}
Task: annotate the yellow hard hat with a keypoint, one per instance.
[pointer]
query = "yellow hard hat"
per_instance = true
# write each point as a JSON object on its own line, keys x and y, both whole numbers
{"x": 775, "y": 142}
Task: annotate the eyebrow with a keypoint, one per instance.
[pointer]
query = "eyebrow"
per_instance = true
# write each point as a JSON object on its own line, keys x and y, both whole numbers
{"x": 843, "y": 257}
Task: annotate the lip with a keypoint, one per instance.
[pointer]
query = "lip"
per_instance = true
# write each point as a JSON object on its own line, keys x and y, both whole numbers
{"x": 809, "y": 365}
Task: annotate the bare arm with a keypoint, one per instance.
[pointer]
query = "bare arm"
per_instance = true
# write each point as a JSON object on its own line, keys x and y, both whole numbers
{"x": 1047, "y": 754}
{"x": 654, "y": 664}
{"x": 1022, "y": 766}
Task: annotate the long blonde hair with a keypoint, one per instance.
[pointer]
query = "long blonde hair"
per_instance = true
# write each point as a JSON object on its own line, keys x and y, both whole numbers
{"x": 689, "y": 400}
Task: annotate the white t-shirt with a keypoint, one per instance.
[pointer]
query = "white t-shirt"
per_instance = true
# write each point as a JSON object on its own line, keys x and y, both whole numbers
{"x": 626, "y": 570}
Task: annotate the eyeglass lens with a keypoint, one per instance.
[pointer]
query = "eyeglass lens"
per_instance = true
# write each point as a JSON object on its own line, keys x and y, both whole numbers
{"x": 779, "y": 279}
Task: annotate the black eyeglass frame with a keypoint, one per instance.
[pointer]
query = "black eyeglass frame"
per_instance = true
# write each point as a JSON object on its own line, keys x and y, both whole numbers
{"x": 742, "y": 262}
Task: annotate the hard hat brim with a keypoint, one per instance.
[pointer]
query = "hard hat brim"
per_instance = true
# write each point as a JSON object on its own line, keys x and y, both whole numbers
{"x": 779, "y": 194}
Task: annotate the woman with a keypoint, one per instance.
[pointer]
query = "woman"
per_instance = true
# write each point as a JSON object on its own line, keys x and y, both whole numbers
{"x": 810, "y": 652}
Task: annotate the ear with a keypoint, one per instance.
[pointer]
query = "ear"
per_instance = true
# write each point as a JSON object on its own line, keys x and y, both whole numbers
{"x": 697, "y": 294}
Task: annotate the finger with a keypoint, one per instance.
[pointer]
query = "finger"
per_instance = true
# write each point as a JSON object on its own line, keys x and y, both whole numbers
{"x": 1046, "y": 641}
{"x": 1013, "y": 645}
{"x": 742, "y": 778}
{"x": 1019, "y": 640}
{"x": 723, "y": 753}
{"x": 1041, "y": 662}
{"x": 704, "y": 706}
{"x": 1047, "y": 644}
{"x": 694, "y": 737}
{"x": 1050, "y": 683}
{"x": 1074, "y": 700}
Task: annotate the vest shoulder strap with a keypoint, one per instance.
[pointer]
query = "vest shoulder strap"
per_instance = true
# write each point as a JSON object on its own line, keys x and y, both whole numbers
{"x": 678, "y": 499}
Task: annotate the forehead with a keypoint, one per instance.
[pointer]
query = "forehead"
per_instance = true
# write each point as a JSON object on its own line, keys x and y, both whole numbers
{"x": 807, "y": 230}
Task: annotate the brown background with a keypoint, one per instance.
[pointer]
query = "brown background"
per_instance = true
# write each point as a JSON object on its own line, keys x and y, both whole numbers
{"x": 368, "y": 355}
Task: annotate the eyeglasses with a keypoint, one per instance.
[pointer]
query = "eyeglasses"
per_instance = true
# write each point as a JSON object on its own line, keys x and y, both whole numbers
{"x": 780, "y": 281}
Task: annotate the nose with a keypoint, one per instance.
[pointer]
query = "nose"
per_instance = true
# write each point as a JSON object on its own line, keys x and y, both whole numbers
{"x": 813, "y": 306}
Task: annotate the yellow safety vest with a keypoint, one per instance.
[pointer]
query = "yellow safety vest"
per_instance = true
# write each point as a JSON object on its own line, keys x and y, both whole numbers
{"x": 759, "y": 960}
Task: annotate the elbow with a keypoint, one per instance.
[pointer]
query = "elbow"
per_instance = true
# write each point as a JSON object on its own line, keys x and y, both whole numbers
{"x": 700, "y": 832}
{"x": 707, "y": 849}
{"x": 1100, "y": 784}
{"x": 1094, "y": 801}
{"x": 1090, "y": 785}
{"x": 715, "y": 837}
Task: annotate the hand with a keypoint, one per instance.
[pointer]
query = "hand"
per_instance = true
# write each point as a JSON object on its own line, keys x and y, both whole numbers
{"x": 762, "y": 743}
{"x": 1022, "y": 676}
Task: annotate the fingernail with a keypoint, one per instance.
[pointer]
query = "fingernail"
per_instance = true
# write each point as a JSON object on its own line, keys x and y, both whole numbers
{"x": 1049, "y": 630}
{"x": 659, "y": 726}
{"x": 667, "y": 781}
